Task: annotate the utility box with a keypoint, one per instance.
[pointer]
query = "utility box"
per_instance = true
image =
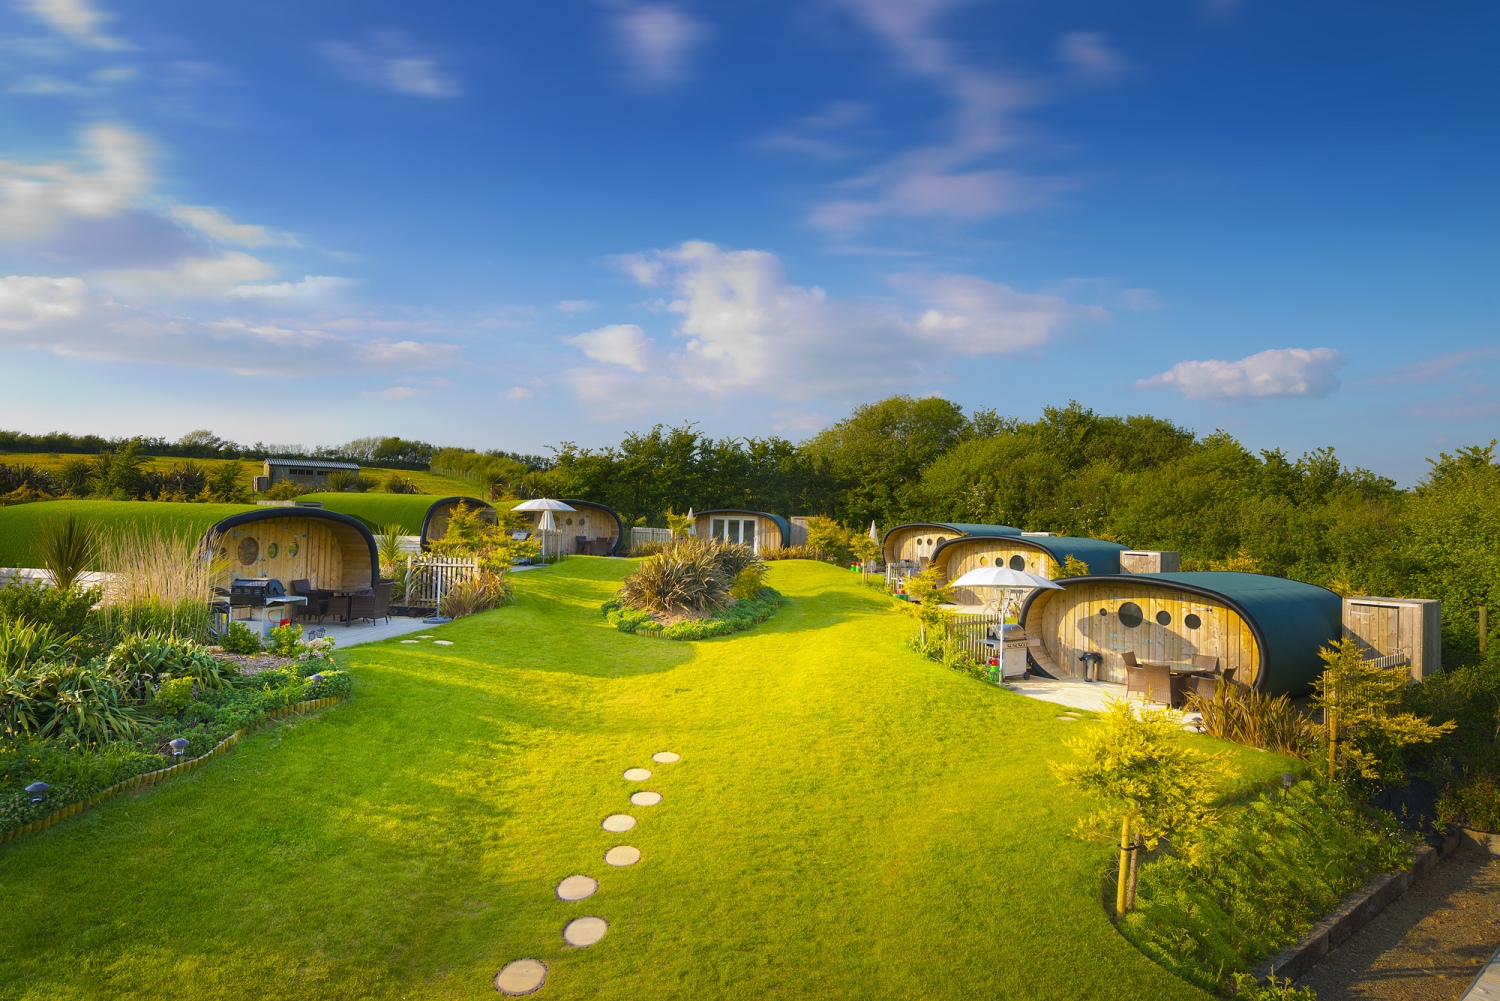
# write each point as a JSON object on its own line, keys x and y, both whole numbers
{"x": 1401, "y": 632}
{"x": 260, "y": 484}
{"x": 1150, "y": 561}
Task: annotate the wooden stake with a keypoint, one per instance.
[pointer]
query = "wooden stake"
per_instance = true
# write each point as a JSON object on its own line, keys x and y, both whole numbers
{"x": 1124, "y": 867}
{"x": 1333, "y": 743}
{"x": 1484, "y": 630}
{"x": 1135, "y": 865}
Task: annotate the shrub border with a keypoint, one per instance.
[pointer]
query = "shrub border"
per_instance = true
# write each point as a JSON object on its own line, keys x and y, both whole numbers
{"x": 151, "y": 778}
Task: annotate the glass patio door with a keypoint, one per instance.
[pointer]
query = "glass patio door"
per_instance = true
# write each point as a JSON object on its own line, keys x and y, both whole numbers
{"x": 736, "y": 530}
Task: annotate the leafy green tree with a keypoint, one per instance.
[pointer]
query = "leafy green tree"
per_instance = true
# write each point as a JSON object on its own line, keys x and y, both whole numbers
{"x": 1365, "y": 725}
{"x": 224, "y": 485}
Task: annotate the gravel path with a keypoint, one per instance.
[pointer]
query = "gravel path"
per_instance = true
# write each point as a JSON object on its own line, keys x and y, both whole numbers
{"x": 1427, "y": 946}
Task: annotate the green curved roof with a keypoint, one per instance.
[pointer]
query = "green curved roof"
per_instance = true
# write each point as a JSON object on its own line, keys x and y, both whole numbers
{"x": 959, "y": 527}
{"x": 1291, "y": 620}
{"x": 1102, "y": 557}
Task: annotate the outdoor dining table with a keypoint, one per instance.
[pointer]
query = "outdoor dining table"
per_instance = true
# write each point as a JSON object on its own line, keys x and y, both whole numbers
{"x": 349, "y": 597}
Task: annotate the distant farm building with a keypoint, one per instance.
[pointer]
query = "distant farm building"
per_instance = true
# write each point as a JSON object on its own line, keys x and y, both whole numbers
{"x": 303, "y": 472}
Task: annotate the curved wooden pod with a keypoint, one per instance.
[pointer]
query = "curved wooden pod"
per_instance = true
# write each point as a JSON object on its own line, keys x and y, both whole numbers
{"x": 770, "y": 529}
{"x": 1043, "y": 555}
{"x": 333, "y": 551}
{"x": 1269, "y": 629}
{"x": 919, "y": 540}
{"x": 599, "y": 526}
{"x": 435, "y": 521}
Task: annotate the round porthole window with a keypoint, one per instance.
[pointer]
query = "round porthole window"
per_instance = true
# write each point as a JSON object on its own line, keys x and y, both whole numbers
{"x": 292, "y": 549}
{"x": 1191, "y": 621}
{"x": 1018, "y": 562}
{"x": 1103, "y": 611}
{"x": 984, "y": 561}
{"x": 249, "y": 551}
{"x": 271, "y": 551}
{"x": 570, "y": 521}
{"x": 941, "y": 540}
{"x": 1130, "y": 615}
{"x": 1164, "y": 618}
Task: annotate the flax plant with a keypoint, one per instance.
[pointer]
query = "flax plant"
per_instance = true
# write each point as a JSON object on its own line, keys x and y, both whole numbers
{"x": 161, "y": 583}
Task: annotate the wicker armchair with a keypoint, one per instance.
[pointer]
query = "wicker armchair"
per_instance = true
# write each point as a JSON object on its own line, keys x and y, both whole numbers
{"x": 374, "y": 604}
{"x": 316, "y": 606}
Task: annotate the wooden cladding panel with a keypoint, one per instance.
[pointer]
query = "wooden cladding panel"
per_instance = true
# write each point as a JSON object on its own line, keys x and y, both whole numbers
{"x": 767, "y": 532}
{"x": 1388, "y": 627}
{"x": 329, "y": 554}
{"x": 593, "y": 523}
{"x": 912, "y": 545}
{"x": 959, "y": 558}
{"x": 1069, "y": 624}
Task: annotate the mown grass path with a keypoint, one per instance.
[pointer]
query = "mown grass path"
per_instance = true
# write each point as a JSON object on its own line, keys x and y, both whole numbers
{"x": 848, "y": 820}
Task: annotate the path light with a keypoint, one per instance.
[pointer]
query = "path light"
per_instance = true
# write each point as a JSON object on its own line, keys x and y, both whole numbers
{"x": 178, "y": 746}
{"x": 1287, "y": 779}
{"x": 38, "y": 791}
{"x": 316, "y": 679}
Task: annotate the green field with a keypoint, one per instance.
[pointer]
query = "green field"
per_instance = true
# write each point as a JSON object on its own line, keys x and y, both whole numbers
{"x": 20, "y": 524}
{"x": 848, "y": 820}
{"x": 378, "y": 510}
{"x": 427, "y": 482}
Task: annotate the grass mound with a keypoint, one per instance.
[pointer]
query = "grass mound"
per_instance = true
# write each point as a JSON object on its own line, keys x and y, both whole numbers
{"x": 21, "y": 525}
{"x": 732, "y": 619}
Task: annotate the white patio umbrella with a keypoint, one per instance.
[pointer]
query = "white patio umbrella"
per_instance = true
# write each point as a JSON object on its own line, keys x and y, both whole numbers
{"x": 543, "y": 504}
{"x": 692, "y": 523}
{"x": 546, "y": 526}
{"x": 1004, "y": 578}
{"x": 874, "y": 534}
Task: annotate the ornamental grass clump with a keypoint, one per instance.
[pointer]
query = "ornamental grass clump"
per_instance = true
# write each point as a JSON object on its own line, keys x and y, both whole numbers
{"x": 161, "y": 583}
{"x": 1245, "y": 716}
{"x": 694, "y": 576}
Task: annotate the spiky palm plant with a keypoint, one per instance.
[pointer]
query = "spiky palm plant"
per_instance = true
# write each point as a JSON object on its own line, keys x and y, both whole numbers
{"x": 69, "y": 547}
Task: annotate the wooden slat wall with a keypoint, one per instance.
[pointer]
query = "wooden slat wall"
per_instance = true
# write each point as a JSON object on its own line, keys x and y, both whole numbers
{"x": 1069, "y": 624}
{"x": 767, "y": 532}
{"x": 591, "y": 522}
{"x": 959, "y": 558}
{"x": 329, "y": 555}
{"x": 910, "y": 544}
{"x": 1388, "y": 627}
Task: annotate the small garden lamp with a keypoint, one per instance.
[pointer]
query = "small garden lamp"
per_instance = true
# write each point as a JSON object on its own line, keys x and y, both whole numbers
{"x": 316, "y": 679}
{"x": 37, "y": 791}
{"x": 1287, "y": 780}
{"x": 178, "y": 746}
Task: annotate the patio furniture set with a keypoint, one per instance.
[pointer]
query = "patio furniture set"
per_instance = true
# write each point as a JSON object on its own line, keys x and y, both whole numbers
{"x": 1169, "y": 684}
{"x": 345, "y": 605}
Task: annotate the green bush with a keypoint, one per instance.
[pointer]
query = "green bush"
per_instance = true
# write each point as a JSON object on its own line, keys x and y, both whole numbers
{"x": 65, "y": 611}
{"x": 694, "y": 575}
{"x": 735, "y": 618}
{"x": 1474, "y": 803}
{"x": 1252, "y": 883}
{"x": 240, "y": 639}
{"x": 73, "y": 772}
{"x": 286, "y": 640}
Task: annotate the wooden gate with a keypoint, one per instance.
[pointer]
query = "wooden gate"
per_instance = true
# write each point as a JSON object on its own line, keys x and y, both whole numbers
{"x": 429, "y": 575}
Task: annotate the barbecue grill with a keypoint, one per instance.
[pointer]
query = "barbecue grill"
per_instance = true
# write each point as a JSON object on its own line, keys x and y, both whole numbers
{"x": 252, "y": 592}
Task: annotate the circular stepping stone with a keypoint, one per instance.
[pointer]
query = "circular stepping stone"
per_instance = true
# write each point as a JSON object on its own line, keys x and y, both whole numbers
{"x": 622, "y": 855}
{"x": 637, "y": 774}
{"x": 424, "y": 636}
{"x": 408, "y": 641}
{"x": 443, "y": 642}
{"x": 584, "y": 932}
{"x": 577, "y": 888}
{"x": 524, "y": 976}
{"x": 618, "y": 823}
{"x": 1068, "y": 719}
{"x": 665, "y": 757}
{"x": 646, "y": 798}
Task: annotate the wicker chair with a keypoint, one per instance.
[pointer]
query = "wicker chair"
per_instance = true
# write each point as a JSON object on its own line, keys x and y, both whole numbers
{"x": 374, "y": 604}
{"x": 317, "y": 601}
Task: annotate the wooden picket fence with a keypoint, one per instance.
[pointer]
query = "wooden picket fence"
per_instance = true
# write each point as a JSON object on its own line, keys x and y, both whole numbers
{"x": 146, "y": 779}
{"x": 970, "y": 632}
{"x": 429, "y": 574}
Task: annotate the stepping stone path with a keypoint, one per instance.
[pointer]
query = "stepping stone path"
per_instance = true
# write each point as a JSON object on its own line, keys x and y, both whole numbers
{"x": 577, "y": 888}
{"x": 584, "y": 932}
{"x": 443, "y": 642}
{"x": 408, "y": 641}
{"x": 1068, "y": 719}
{"x": 524, "y": 976}
{"x": 622, "y": 855}
{"x": 618, "y": 823}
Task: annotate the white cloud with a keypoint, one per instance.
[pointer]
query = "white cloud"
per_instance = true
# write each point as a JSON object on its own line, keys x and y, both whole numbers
{"x": 79, "y": 20}
{"x": 392, "y": 61}
{"x": 618, "y": 344}
{"x": 36, "y": 197}
{"x": 396, "y": 393}
{"x": 215, "y": 225}
{"x": 827, "y": 135}
{"x": 973, "y": 317}
{"x": 1088, "y": 53}
{"x": 1139, "y": 300}
{"x": 576, "y": 305}
{"x": 192, "y": 277}
{"x": 743, "y": 328}
{"x": 27, "y": 299}
{"x": 1305, "y": 372}
{"x": 656, "y": 41}
{"x": 312, "y": 288}
{"x": 515, "y": 393}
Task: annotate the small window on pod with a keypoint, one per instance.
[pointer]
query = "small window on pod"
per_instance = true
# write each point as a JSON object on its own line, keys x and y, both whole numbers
{"x": 1018, "y": 562}
{"x": 1130, "y": 615}
{"x": 1164, "y": 618}
{"x": 1191, "y": 621}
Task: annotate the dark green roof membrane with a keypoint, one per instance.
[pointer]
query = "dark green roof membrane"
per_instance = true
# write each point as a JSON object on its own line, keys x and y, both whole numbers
{"x": 1291, "y": 620}
{"x": 960, "y": 528}
{"x": 1102, "y": 557}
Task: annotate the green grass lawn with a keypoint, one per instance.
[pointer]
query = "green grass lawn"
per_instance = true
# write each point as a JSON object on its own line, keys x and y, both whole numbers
{"x": 848, "y": 820}
{"x": 20, "y": 525}
{"x": 379, "y": 509}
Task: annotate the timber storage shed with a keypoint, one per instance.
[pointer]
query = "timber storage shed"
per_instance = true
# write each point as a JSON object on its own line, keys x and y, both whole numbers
{"x": 917, "y": 541}
{"x": 590, "y": 529}
{"x": 334, "y": 551}
{"x": 1268, "y": 629}
{"x": 759, "y": 530}
{"x": 1043, "y": 555}
{"x": 1399, "y": 632}
{"x": 435, "y": 521}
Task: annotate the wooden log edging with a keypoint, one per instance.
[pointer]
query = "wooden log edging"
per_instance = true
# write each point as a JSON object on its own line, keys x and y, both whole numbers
{"x": 146, "y": 779}
{"x": 1357, "y": 910}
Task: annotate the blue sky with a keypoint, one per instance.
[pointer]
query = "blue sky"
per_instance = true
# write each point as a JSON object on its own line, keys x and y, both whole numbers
{"x": 510, "y": 224}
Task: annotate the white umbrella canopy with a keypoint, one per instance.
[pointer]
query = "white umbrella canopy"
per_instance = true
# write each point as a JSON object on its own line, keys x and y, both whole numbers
{"x": 1002, "y": 577}
{"x": 548, "y": 523}
{"x": 874, "y": 534}
{"x": 543, "y": 504}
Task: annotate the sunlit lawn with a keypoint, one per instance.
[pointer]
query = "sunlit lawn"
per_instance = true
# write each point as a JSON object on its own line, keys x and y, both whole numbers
{"x": 848, "y": 821}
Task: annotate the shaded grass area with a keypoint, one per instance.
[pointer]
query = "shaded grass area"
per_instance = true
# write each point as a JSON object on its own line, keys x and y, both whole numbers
{"x": 849, "y": 820}
{"x": 20, "y": 526}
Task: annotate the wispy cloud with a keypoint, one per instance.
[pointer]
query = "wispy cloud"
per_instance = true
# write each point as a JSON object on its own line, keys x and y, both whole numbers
{"x": 1089, "y": 54}
{"x": 576, "y": 305}
{"x": 1286, "y": 372}
{"x": 217, "y": 226}
{"x": 656, "y": 41}
{"x": 396, "y": 393}
{"x": 110, "y": 173}
{"x": 78, "y": 20}
{"x": 28, "y": 299}
{"x": 830, "y": 134}
{"x": 618, "y": 344}
{"x": 392, "y": 60}
{"x": 311, "y": 289}
{"x": 515, "y": 393}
